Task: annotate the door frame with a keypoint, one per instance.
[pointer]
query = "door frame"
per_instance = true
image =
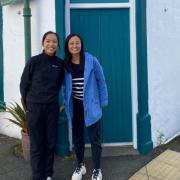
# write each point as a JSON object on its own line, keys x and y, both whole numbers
{"x": 133, "y": 62}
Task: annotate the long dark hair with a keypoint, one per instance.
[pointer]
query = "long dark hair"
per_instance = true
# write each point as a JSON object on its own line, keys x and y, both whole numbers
{"x": 51, "y": 32}
{"x": 68, "y": 56}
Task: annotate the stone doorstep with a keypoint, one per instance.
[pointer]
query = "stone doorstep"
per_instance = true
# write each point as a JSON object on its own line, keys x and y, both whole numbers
{"x": 114, "y": 151}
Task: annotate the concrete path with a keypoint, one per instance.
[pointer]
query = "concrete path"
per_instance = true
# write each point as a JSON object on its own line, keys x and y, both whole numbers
{"x": 120, "y": 167}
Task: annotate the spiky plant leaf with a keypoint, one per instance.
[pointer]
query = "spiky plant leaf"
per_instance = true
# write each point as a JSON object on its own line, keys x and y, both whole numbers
{"x": 14, "y": 122}
{"x": 18, "y": 114}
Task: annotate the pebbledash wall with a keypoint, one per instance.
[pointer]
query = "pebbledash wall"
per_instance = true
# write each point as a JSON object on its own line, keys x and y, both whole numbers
{"x": 163, "y": 37}
{"x": 42, "y": 20}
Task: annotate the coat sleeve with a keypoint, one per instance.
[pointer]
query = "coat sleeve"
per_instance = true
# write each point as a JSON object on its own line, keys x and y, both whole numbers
{"x": 25, "y": 82}
{"x": 101, "y": 83}
{"x": 63, "y": 90}
{"x": 62, "y": 75}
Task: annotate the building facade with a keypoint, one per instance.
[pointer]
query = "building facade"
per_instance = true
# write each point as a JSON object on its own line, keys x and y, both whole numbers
{"x": 136, "y": 41}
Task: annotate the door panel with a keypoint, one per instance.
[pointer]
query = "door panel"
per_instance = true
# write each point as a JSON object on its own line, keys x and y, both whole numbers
{"x": 106, "y": 34}
{"x": 98, "y": 1}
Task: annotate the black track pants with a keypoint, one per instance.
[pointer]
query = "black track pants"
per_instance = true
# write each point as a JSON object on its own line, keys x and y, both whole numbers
{"x": 42, "y": 122}
{"x": 78, "y": 135}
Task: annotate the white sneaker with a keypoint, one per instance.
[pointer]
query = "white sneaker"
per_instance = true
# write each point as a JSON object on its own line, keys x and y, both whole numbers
{"x": 79, "y": 172}
{"x": 49, "y": 178}
{"x": 97, "y": 174}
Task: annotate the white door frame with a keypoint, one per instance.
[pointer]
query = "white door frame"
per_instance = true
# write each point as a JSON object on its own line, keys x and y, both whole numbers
{"x": 131, "y": 6}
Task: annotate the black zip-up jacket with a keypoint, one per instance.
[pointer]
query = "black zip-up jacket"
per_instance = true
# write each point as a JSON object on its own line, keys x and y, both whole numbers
{"x": 42, "y": 79}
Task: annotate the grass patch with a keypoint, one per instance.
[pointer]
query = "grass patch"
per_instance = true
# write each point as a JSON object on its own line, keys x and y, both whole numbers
{"x": 16, "y": 150}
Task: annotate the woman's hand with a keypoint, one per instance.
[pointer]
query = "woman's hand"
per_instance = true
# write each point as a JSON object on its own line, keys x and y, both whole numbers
{"x": 61, "y": 109}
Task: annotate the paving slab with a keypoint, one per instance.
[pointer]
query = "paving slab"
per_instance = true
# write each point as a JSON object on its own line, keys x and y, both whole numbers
{"x": 164, "y": 167}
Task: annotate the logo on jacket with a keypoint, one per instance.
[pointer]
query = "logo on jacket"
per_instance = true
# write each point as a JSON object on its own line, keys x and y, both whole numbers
{"x": 55, "y": 66}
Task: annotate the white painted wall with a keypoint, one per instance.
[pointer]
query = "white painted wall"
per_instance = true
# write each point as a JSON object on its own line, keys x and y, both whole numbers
{"x": 42, "y": 20}
{"x": 163, "y": 33}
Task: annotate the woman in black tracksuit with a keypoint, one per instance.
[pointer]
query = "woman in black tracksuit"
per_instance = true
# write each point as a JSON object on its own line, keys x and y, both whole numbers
{"x": 40, "y": 85}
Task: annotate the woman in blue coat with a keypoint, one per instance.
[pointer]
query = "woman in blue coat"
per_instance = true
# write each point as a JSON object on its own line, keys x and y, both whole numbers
{"x": 85, "y": 93}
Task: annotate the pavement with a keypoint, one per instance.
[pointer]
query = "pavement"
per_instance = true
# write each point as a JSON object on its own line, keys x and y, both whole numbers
{"x": 115, "y": 166}
{"x": 166, "y": 167}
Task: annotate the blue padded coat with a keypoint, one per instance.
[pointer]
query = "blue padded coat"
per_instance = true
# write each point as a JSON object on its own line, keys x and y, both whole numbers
{"x": 95, "y": 91}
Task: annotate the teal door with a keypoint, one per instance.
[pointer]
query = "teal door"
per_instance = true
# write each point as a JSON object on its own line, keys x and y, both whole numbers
{"x": 106, "y": 34}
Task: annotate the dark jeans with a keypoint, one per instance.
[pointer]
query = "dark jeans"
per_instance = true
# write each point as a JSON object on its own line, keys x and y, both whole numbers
{"x": 78, "y": 135}
{"x": 42, "y": 124}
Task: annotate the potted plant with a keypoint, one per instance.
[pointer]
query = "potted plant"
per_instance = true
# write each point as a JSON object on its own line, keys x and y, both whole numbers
{"x": 18, "y": 118}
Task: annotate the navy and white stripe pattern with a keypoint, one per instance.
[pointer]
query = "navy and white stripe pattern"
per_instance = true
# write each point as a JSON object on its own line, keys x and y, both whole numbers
{"x": 77, "y": 88}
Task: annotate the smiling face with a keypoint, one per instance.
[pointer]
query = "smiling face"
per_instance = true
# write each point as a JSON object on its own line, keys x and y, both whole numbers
{"x": 74, "y": 45}
{"x": 50, "y": 44}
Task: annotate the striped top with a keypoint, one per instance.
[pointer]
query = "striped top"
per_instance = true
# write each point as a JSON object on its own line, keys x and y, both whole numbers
{"x": 77, "y": 82}
{"x": 77, "y": 88}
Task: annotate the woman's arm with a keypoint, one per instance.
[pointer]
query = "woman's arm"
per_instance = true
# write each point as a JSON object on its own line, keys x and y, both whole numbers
{"x": 25, "y": 83}
{"x": 101, "y": 83}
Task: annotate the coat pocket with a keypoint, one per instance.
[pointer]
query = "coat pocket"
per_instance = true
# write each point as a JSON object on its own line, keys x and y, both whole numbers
{"x": 94, "y": 109}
